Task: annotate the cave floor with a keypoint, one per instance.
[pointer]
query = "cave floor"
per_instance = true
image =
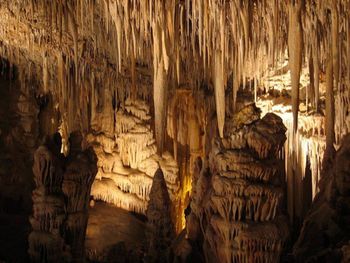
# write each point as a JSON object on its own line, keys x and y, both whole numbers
{"x": 114, "y": 235}
{"x": 14, "y": 230}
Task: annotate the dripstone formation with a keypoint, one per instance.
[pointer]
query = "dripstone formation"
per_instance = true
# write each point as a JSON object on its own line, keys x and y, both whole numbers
{"x": 128, "y": 160}
{"x": 79, "y": 175}
{"x": 60, "y": 201}
{"x": 46, "y": 243}
{"x": 172, "y": 85}
{"x": 160, "y": 227}
{"x": 325, "y": 232}
{"x": 238, "y": 204}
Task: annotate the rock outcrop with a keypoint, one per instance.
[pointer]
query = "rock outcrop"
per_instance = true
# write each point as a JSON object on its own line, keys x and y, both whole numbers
{"x": 160, "y": 232}
{"x": 46, "y": 243}
{"x": 325, "y": 232}
{"x": 78, "y": 177}
{"x": 60, "y": 201}
{"x": 238, "y": 203}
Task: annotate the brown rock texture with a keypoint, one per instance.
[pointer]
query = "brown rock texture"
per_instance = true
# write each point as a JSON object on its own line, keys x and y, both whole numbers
{"x": 46, "y": 243}
{"x": 239, "y": 204}
{"x": 325, "y": 232}
{"x": 160, "y": 227}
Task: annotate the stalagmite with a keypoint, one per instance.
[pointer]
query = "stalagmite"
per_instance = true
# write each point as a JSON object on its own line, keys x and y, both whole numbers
{"x": 161, "y": 229}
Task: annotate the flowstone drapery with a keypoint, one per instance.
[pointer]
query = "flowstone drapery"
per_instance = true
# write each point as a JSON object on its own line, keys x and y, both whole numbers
{"x": 127, "y": 164}
{"x": 78, "y": 177}
{"x": 239, "y": 204}
{"x": 60, "y": 201}
{"x": 46, "y": 243}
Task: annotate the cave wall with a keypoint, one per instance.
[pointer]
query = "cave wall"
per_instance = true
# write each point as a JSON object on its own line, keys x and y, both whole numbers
{"x": 19, "y": 132}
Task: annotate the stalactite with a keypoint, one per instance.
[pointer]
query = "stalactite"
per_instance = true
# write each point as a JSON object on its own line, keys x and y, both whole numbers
{"x": 45, "y": 74}
{"x": 316, "y": 78}
{"x": 311, "y": 88}
{"x": 159, "y": 85}
{"x": 73, "y": 28}
{"x": 335, "y": 43}
{"x": 295, "y": 45}
{"x": 219, "y": 87}
{"x": 330, "y": 136}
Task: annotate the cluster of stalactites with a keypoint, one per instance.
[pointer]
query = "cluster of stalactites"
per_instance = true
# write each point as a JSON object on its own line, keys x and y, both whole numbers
{"x": 210, "y": 39}
{"x": 320, "y": 31}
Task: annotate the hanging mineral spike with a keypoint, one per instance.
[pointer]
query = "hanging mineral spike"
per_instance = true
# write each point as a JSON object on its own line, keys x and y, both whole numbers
{"x": 295, "y": 48}
{"x": 219, "y": 87}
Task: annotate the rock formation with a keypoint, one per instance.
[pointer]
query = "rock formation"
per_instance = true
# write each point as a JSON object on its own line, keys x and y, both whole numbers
{"x": 78, "y": 177}
{"x": 148, "y": 84}
{"x": 325, "y": 230}
{"x": 238, "y": 204}
{"x": 160, "y": 227}
{"x": 127, "y": 165}
{"x": 60, "y": 201}
{"x": 46, "y": 243}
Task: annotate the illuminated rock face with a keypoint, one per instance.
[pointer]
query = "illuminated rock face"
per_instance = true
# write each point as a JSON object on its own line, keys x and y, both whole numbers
{"x": 91, "y": 57}
{"x": 127, "y": 165}
{"x": 326, "y": 225}
{"x": 304, "y": 150}
{"x": 239, "y": 202}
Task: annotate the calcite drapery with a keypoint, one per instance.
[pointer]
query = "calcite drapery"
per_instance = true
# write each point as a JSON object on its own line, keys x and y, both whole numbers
{"x": 60, "y": 201}
{"x": 242, "y": 220}
{"x": 46, "y": 243}
{"x": 78, "y": 177}
{"x": 126, "y": 165}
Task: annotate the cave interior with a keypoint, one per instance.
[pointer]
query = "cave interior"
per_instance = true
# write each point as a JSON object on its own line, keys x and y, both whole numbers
{"x": 174, "y": 131}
